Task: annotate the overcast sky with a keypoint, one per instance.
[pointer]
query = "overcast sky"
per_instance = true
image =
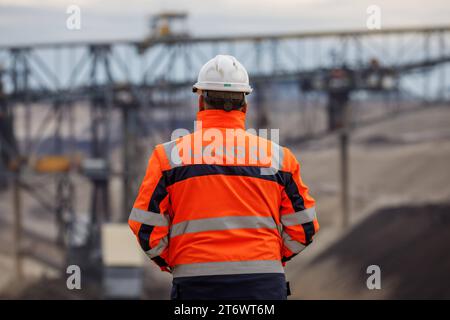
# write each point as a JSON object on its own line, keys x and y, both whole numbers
{"x": 23, "y": 21}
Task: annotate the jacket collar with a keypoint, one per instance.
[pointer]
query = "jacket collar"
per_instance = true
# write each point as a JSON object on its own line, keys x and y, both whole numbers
{"x": 221, "y": 119}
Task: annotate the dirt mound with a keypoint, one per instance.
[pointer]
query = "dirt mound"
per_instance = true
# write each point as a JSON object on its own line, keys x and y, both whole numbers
{"x": 410, "y": 245}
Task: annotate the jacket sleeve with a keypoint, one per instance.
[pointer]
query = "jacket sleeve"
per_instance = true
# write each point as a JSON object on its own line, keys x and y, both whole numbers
{"x": 298, "y": 213}
{"x": 149, "y": 219}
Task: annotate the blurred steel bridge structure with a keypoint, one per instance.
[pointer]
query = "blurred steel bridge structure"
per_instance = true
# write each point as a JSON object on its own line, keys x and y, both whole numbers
{"x": 72, "y": 71}
{"x": 157, "y": 72}
{"x": 45, "y": 83}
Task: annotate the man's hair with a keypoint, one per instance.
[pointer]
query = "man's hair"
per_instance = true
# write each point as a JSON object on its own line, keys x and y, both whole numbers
{"x": 224, "y": 100}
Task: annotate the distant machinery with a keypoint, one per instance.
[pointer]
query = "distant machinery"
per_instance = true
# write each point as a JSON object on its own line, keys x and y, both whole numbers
{"x": 123, "y": 263}
{"x": 340, "y": 82}
{"x": 118, "y": 86}
{"x": 169, "y": 25}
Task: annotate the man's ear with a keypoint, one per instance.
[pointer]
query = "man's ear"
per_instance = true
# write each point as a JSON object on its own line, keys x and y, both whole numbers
{"x": 244, "y": 108}
{"x": 201, "y": 103}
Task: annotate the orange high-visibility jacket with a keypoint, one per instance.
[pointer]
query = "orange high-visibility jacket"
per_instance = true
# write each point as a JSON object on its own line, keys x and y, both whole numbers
{"x": 222, "y": 201}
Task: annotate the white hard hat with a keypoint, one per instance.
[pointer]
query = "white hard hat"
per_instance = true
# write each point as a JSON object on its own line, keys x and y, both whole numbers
{"x": 223, "y": 73}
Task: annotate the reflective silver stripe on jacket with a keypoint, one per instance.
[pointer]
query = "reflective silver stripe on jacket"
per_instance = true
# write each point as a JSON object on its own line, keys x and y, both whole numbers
{"x": 299, "y": 217}
{"x": 222, "y": 223}
{"x": 158, "y": 249}
{"x": 291, "y": 244}
{"x": 233, "y": 267}
{"x": 172, "y": 154}
{"x": 149, "y": 218}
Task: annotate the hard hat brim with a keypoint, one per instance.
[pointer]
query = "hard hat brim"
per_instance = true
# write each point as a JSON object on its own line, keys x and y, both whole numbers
{"x": 220, "y": 86}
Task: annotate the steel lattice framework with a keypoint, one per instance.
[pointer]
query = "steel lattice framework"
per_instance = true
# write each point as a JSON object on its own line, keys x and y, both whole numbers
{"x": 70, "y": 71}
